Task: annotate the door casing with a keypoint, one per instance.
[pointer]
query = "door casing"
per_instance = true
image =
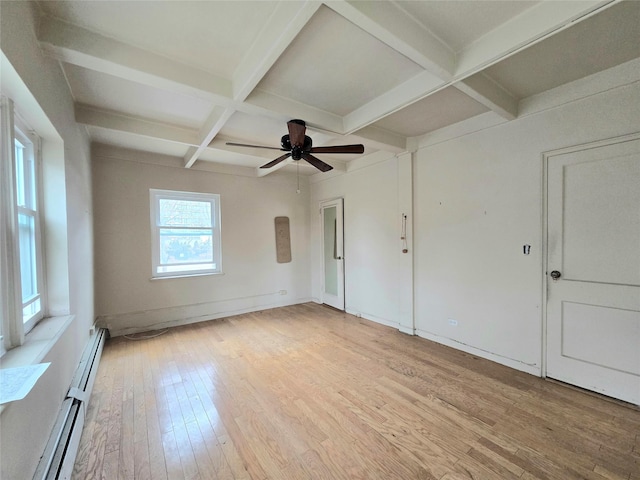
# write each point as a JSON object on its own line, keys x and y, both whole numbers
{"x": 546, "y": 279}
{"x": 337, "y": 254}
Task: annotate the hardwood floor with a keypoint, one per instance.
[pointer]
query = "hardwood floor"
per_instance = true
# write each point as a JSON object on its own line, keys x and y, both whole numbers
{"x": 306, "y": 392}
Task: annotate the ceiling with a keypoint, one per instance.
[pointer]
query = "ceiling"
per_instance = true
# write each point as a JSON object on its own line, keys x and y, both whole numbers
{"x": 182, "y": 78}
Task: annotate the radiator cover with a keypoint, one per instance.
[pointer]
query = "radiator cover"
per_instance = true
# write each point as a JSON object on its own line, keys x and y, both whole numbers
{"x": 59, "y": 455}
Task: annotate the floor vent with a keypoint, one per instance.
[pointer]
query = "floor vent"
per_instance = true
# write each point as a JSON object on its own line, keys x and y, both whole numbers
{"x": 60, "y": 453}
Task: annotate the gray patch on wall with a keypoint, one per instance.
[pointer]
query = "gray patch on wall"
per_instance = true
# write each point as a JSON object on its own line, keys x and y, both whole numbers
{"x": 283, "y": 240}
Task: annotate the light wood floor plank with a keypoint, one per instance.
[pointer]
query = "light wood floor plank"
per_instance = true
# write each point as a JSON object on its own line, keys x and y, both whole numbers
{"x": 307, "y": 392}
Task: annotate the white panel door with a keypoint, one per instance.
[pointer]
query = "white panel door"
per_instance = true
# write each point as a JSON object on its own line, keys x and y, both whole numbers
{"x": 332, "y": 253}
{"x": 593, "y": 241}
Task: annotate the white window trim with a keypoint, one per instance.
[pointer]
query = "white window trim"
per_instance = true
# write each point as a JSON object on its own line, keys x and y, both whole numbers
{"x": 12, "y": 322}
{"x": 26, "y": 349}
{"x": 12, "y": 333}
{"x": 155, "y": 195}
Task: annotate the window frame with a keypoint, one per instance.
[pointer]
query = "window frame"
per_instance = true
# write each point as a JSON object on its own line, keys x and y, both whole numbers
{"x": 31, "y": 142}
{"x": 13, "y": 325}
{"x": 155, "y": 196}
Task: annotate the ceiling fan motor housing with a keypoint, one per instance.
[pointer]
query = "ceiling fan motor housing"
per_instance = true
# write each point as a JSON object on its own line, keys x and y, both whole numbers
{"x": 285, "y": 142}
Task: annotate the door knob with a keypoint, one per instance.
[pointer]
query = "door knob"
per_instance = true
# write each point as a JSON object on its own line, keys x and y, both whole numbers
{"x": 555, "y": 274}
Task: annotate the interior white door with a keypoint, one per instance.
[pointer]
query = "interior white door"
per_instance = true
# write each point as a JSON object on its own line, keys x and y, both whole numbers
{"x": 333, "y": 253}
{"x": 593, "y": 248}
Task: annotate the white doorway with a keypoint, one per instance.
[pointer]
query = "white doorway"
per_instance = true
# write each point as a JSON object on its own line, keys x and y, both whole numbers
{"x": 593, "y": 267}
{"x": 332, "y": 224}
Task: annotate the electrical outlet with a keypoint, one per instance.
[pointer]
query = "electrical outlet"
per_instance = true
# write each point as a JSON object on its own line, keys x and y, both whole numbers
{"x": 452, "y": 322}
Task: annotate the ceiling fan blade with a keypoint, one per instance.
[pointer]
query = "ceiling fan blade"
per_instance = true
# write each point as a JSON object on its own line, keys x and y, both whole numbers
{"x": 339, "y": 149}
{"x": 316, "y": 162}
{"x": 253, "y": 146}
{"x": 297, "y": 128}
{"x": 276, "y": 161}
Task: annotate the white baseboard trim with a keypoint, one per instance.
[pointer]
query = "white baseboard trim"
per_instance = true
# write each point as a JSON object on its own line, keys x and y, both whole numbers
{"x": 533, "y": 369}
{"x": 407, "y": 330}
{"x": 159, "y": 318}
{"x": 373, "y": 318}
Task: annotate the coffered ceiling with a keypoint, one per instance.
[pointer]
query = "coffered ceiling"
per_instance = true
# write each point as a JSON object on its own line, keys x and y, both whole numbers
{"x": 184, "y": 77}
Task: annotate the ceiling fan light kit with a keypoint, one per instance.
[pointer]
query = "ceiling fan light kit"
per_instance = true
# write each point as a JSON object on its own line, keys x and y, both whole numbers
{"x": 300, "y": 147}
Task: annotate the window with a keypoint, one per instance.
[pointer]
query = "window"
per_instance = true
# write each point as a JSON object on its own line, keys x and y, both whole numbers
{"x": 185, "y": 232}
{"x": 21, "y": 255}
{"x": 29, "y": 245}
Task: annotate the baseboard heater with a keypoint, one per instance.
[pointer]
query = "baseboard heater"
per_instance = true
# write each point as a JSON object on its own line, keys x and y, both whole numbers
{"x": 59, "y": 455}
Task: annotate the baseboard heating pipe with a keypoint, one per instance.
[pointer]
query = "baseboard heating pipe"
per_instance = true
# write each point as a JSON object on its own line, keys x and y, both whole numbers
{"x": 59, "y": 455}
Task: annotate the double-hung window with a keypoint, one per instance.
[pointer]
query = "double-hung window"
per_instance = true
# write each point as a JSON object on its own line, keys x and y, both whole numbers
{"x": 185, "y": 233}
{"x": 21, "y": 255}
{"x": 29, "y": 237}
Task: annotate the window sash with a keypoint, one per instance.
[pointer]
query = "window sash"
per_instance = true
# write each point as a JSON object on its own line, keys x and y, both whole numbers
{"x": 177, "y": 249}
{"x": 22, "y": 255}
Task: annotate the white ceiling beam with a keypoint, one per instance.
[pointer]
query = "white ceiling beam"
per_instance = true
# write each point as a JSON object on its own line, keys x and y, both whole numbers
{"x": 97, "y": 117}
{"x": 533, "y": 25}
{"x": 219, "y": 143}
{"x": 394, "y": 27}
{"x": 273, "y": 106}
{"x": 338, "y": 165}
{"x": 263, "y": 172}
{"x": 381, "y": 139}
{"x": 282, "y": 27}
{"x": 398, "y": 97}
{"x": 389, "y": 23}
{"x": 210, "y": 129}
{"x": 285, "y": 23}
{"x": 78, "y": 46}
{"x": 490, "y": 94}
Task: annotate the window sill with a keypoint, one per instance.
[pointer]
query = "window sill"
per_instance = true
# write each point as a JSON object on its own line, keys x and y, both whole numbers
{"x": 37, "y": 344}
{"x": 189, "y": 275}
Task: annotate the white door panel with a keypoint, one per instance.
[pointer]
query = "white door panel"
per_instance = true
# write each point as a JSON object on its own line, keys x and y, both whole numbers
{"x": 593, "y": 308}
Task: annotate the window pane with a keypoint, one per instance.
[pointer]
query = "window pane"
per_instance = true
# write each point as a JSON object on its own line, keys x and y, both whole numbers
{"x": 185, "y": 246}
{"x": 31, "y": 310}
{"x": 28, "y": 270}
{"x": 185, "y": 213}
{"x": 186, "y": 235}
{"x": 25, "y": 175}
{"x": 20, "y": 174}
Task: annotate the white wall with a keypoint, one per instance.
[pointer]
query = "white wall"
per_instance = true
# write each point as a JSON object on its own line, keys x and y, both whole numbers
{"x": 128, "y": 301}
{"x": 372, "y": 232}
{"x": 477, "y": 199}
{"x": 26, "y": 424}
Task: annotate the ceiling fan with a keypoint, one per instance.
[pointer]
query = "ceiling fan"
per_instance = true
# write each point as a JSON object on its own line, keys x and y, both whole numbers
{"x": 299, "y": 146}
